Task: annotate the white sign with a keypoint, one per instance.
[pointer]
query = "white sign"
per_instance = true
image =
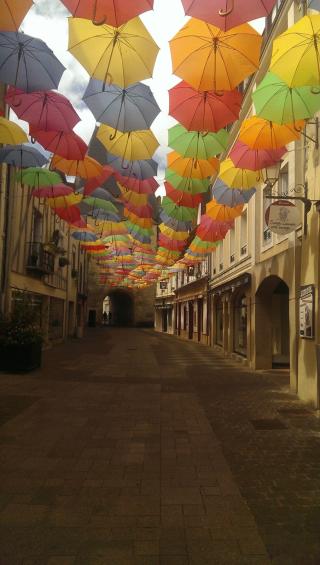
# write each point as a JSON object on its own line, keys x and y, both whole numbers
{"x": 282, "y": 217}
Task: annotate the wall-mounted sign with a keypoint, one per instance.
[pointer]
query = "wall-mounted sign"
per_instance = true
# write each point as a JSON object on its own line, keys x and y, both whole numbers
{"x": 306, "y": 312}
{"x": 282, "y": 217}
{"x": 163, "y": 285}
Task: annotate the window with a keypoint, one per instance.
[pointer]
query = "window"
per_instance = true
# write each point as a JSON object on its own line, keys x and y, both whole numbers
{"x": 240, "y": 324}
{"x": 232, "y": 245}
{"x": 36, "y": 235}
{"x": 283, "y": 181}
{"x": 221, "y": 256}
{"x": 266, "y": 230}
{"x": 244, "y": 233}
{"x": 219, "y": 322}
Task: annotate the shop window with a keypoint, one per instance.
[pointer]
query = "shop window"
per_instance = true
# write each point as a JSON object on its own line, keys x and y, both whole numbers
{"x": 240, "y": 325}
{"x": 283, "y": 182}
{"x": 219, "y": 322}
{"x": 244, "y": 233}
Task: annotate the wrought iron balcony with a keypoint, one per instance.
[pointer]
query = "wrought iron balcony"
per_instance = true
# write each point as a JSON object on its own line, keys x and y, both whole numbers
{"x": 39, "y": 260}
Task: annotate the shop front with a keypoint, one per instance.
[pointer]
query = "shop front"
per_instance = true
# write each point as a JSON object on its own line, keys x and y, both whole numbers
{"x": 191, "y": 306}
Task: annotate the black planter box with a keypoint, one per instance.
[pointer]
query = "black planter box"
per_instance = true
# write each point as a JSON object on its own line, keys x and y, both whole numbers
{"x": 20, "y": 358}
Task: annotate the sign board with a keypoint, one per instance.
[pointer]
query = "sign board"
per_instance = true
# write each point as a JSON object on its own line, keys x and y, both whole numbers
{"x": 306, "y": 312}
{"x": 282, "y": 217}
{"x": 163, "y": 285}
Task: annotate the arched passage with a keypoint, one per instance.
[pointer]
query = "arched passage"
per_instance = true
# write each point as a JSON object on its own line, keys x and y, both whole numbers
{"x": 272, "y": 334}
{"x": 121, "y": 306}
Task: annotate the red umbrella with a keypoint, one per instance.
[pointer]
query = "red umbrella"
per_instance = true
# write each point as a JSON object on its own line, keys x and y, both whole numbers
{"x": 144, "y": 211}
{"x": 71, "y": 215}
{"x": 182, "y": 198}
{"x": 244, "y": 157}
{"x": 226, "y": 14}
{"x": 212, "y": 230}
{"x": 52, "y": 191}
{"x": 203, "y": 111}
{"x": 111, "y": 12}
{"x": 146, "y": 186}
{"x": 95, "y": 182}
{"x": 65, "y": 144}
{"x": 44, "y": 110}
{"x": 171, "y": 244}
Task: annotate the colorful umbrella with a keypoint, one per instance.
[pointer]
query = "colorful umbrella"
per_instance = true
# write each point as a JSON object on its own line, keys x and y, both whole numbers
{"x": 113, "y": 12}
{"x": 182, "y": 198}
{"x": 244, "y": 157}
{"x": 64, "y": 201}
{"x": 130, "y": 146}
{"x": 227, "y": 14}
{"x": 84, "y": 236}
{"x": 133, "y": 108}
{"x": 171, "y": 244}
{"x": 34, "y": 176}
{"x": 12, "y": 13}
{"x": 173, "y": 234}
{"x": 11, "y": 133}
{"x": 146, "y": 186}
{"x": 136, "y": 199}
{"x": 213, "y": 230}
{"x": 187, "y": 184}
{"x": 223, "y": 194}
{"x": 222, "y": 212}
{"x": 181, "y": 213}
{"x": 99, "y": 203}
{"x": 191, "y": 167}
{"x": 274, "y": 100}
{"x": 44, "y": 110}
{"x": 139, "y": 221}
{"x": 203, "y": 111}
{"x": 22, "y": 156}
{"x": 28, "y": 63}
{"x": 86, "y": 168}
{"x": 258, "y": 133}
{"x": 238, "y": 178}
{"x": 122, "y": 55}
{"x": 197, "y": 144}
{"x": 52, "y": 191}
{"x": 210, "y": 59}
{"x": 175, "y": 224}
{"x": 95, "y": 182}
{"x": 71, "y": 214}
{"x": 65, "y": 144}
{"x": 296, "y": 53}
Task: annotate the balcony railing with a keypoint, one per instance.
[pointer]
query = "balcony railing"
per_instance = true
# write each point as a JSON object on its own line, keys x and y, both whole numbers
{"x": 56, "y": 280}
{"x": 38, "y": 259}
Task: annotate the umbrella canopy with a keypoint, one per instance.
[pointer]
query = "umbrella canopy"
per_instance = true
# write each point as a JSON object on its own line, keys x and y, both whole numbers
{"x": 226, "y": 14}
{"x": 12, "y": 13}
{"x": 191, "y": 167}
{"x": 259, "y": 133}
{"x": 133, "y": 197}
{"x": 85, "y": 168}
{"x": 112, "y": 12}
{"x": 131, "y": 145}
{"x": 65, "y": 144}
{"x": 197, "y": 144}
{"x": 64, "y": 201}
{"x": 52, "y": 191}
{"x": 146, "y": 186}
{"x": 181, "y": 213}
{"x": 222, "y": 212}
{"x": 187, "y": 184}
{"x": 101, "y": 204}
{"x": 11, "y": 133}
{"x": 174, "y": 245}
{"x": 203, "y": 111}
{"x": 133, "y": 108}
{"x": 84, "y": 236}
{"x": 103, "y": 194}
{"x": 244, "y": 157}
{"x": 296, "y": 53}
{"x": 274, "y": 100}
{"x": 143, "y": 222}
{"x": 71, "y": 214}
{"x": 182, "y": 198}
{"x": 118, "y": 55}
{"x": 140, "y": 168}
{"x": 142, "y": 210}
{"x": 238, "y": 178}
{"x": 95, "y": 182}
{"x": 210, "y": 59}
{"x": 213, "y": 230}
{"x": 173, "y": 234}
{"x": 43, "y": 110}
{"x": 22, "y": 156}
{"x": 28, "y": 63}
{"x": 35, "y": 176}
{"x": 223, "y": 194}
{"x": 175, "y": 224}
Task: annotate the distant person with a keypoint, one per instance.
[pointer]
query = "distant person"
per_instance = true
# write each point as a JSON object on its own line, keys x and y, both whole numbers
{"x": 105, "y": 318}
{"x": 110, "y": 318}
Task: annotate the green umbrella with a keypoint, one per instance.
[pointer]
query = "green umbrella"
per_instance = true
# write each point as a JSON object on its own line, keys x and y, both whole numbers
{"x": 274, "y": 100}
{"x": 187, "y": 184}
{"x": 116, "y": 238}
{"x": 36, "y": 177}
{"x": 181, "y": 213}
{"x": 197, "y": 144}
{"x": 99, "y": 203}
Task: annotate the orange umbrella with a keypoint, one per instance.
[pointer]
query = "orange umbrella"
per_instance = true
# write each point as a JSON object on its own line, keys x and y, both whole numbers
{"x": 142, "y": 222}
{"x": 86, "y": 168}
{"x": 12, "y": 13}
{"x": 259, "y": 133}
{"x": 210, "y": 59}
{"x": 221, "y": 212}
{"x": 192, "y": 168}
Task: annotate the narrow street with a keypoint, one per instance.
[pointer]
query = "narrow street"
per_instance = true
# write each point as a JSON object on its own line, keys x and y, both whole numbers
{"x": 133, "y": 447}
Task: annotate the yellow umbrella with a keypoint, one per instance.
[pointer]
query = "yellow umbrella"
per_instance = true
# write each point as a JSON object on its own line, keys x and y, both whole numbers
{"x": 192, "y": 167}
{"x": 131, "y": 145}
{"x": 210, "y": 59}
{"x": 11, "y": 133}
{"x": 238, "y": 178}
{"x": 135, "y": 198}
{"x": 122, "y": 55}
{"x": 296, "y": 53}
{"x": 177, "y": 235}
{"x": 65, "y": 201}
{"x": 142, "y": 222}
{"x": 222, "y": 212}
{"x": 259, "y": 133}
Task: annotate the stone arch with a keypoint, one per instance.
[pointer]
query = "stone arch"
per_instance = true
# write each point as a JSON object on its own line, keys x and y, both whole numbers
{"x": 121, "y": 307}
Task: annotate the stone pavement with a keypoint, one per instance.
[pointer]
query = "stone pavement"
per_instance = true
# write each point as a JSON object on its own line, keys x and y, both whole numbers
{"x": 135, "y": 448}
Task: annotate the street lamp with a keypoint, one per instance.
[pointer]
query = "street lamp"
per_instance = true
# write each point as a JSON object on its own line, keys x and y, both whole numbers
{"x": 270, "y": 175}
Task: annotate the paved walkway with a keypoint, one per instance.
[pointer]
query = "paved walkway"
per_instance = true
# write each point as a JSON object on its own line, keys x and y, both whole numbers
{"x": 135, "y": 448}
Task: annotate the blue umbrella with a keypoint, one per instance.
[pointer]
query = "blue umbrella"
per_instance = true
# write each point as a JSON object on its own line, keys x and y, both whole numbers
{"x": 22, "y": 156}
{"x": 84, "y": 236}
{"x": 231, "y": 196}
{"x": 175, "y": 224}
{"x": 28, "y": 63}
{"x": 102, "y": 215}
{"x": 132, "y": 108}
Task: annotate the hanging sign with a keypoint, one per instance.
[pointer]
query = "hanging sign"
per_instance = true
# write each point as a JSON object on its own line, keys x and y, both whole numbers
{"x": 306, "y": 312}
{"x": 282, "y": 217}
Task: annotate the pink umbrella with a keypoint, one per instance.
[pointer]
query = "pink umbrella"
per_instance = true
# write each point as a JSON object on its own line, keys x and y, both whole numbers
{"x": 95, "y": 182}
{"x": 244, "y": 157}
{"x": 52, "y": 191}
{"x": 212, "y": 230}
{"x": 146, "y": 186}
{"x": 65, "y": 144}
{"x": 44, "y": 110}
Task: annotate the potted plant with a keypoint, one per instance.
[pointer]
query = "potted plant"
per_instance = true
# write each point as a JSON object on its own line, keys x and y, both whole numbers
{"x": 20, "y": 340}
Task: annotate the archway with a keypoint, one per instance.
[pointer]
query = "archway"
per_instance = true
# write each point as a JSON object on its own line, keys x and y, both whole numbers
{"x": 272, "y": 333}
{"x": 121, "y": 307}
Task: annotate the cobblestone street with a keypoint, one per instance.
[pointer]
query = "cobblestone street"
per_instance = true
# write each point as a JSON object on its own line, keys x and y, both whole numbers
{"x": 135, "y": 448}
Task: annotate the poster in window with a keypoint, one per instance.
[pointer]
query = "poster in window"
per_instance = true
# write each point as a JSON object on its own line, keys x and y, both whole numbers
{"x": 306, "y": 312}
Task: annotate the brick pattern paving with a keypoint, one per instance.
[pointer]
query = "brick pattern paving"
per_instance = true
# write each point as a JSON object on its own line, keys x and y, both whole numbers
{"x": 134, "y": 448}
